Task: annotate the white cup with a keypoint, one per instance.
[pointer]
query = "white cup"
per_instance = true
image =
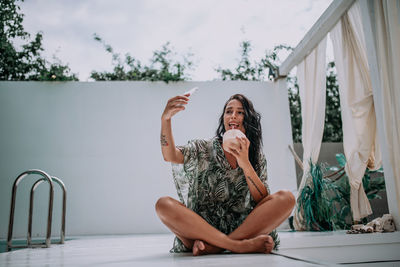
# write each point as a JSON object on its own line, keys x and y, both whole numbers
{"x": 230, "y": 137}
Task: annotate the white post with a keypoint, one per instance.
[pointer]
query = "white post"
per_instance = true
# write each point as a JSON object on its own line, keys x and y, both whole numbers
{"x": 393, "y": 197}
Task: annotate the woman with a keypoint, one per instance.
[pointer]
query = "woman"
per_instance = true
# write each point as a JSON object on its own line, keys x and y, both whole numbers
{"x": 225, "y": 199}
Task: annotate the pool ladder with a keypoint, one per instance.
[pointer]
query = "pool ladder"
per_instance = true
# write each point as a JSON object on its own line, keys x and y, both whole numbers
{"x": 49, "y": 179}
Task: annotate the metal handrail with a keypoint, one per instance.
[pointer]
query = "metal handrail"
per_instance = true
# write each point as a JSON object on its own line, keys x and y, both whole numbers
{"x": 31, "y": 202}
{"x": 12, "y": 209}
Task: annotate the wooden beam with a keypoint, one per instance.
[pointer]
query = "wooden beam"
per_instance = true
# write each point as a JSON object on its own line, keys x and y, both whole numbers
{"x": 317, "y": 32}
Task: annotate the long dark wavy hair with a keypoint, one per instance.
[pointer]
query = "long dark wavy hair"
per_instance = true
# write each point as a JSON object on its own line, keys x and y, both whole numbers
{"x": 252, "y": 126}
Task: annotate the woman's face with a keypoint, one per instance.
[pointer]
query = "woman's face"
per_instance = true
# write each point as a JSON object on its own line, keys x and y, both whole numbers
{"x": 234, "y": 116}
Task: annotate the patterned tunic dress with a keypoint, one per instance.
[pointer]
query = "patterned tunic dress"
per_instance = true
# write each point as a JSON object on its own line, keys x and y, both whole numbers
{"x": 207, "y": 184}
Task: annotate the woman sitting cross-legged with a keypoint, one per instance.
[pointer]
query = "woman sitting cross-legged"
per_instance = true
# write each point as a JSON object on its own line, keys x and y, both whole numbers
{"x": 225, "y": 203}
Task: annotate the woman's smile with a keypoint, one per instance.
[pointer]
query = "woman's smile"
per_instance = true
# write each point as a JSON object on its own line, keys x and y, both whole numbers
{"x": 234, "y": 116}
{"x": 233, "y": 125}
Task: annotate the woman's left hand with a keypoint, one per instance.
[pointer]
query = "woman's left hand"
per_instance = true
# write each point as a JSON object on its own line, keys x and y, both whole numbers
{"x": 242, "y": 154}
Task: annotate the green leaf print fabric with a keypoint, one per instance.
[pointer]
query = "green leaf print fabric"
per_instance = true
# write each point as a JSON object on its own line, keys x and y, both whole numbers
{"x": 207, "y": 184}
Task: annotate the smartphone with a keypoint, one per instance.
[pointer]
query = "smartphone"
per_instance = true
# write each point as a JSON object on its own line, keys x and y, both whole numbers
{"x": 191, "y": 91}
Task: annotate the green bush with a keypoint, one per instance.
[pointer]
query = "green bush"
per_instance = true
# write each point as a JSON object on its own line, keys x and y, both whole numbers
{"x": 163, "y": 66}
{"x": 325, "y": 202}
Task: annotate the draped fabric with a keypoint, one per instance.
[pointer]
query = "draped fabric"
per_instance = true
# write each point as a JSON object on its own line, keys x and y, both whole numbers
{"x": 311, "y": 77}
{"x": 360, "y": 138}
{"x": 386, "y": 19}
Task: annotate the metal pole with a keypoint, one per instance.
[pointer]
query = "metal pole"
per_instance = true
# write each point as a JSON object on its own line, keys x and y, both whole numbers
{"x": 64, "y": 205}
{"x": 12, "y": 209}
{"x": 31, "y": 202}
{"x": 64, "y": 208}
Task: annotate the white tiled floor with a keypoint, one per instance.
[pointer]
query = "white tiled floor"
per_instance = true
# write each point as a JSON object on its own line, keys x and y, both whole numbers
{"x": 309, "y": 249}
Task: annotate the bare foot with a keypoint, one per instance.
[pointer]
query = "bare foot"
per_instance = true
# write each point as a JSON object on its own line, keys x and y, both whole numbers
{"x": 203, "y": 248}
{"x": 261, "y": 244}
{"x": 269, "y": 246}
{"x": 198, "y": 247}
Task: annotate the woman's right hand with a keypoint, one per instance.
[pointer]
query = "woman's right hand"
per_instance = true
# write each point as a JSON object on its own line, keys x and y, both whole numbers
{"x": 230, "y": 145}
{"x": 174, "y": 105}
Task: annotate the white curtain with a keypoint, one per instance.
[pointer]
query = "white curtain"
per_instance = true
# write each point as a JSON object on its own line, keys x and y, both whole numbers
{"x": 311, "y": 77}
{"x": 360, "y": 141}
{"x": 387, "y": 43}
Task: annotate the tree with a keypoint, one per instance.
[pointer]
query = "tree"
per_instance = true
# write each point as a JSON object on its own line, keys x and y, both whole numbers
{"x": 163, "y": 66}
{"x": 333, "y": 119}
{"x": 295, "y": 108}
{"x": 257, "y": 71}
{"x": 27, "y": 62}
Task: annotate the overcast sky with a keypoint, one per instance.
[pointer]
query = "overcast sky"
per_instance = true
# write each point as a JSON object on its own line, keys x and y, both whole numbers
{"x": 210, "y": 29}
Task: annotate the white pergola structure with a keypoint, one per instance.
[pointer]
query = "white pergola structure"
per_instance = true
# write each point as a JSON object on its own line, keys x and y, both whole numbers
{"x": 366, "y": 40}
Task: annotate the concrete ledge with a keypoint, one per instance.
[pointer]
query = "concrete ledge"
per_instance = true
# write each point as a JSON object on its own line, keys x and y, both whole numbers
{"x": 340, "y": 248}
{"x": 291, "y": 240}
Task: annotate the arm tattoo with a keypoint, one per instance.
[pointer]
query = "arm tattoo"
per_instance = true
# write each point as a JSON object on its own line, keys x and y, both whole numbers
{"x": 163, "y": 140}
{"x": 258, "y": 189}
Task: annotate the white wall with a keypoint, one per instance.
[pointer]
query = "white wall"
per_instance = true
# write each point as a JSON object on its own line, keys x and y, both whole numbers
{"x": 102, "y": 140}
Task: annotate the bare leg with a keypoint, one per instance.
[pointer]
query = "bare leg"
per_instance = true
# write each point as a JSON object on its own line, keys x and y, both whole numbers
{"x": 269, "y": 213}
{"x": 189, "y": 226}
